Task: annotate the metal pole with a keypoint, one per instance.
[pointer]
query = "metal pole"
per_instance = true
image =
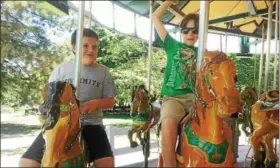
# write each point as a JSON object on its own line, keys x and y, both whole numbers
{"x": 226, "y": 37}
{"x": 255, "y": 64}
{"x": 114, "y": 23}
{"x": 135, "y": 24}
{"x": 269, "y": 31}
{"x": 276, "y": 46}
{"x": 79, "y": 44}
{"x": 221, "y": 42}
{"x": 261, "y": 61}
{"x": 203, "y": 29}
{"x": 90, "y": 14}
{"x": 150, "y": 47}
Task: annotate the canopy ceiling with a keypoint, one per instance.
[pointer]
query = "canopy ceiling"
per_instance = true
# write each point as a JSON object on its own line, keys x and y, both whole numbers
{"x": 236, "y": 17}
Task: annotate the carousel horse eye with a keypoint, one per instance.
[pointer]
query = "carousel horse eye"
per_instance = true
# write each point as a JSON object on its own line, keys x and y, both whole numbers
{"x": 211, "y": 72}
{"x": 235, "y": 79}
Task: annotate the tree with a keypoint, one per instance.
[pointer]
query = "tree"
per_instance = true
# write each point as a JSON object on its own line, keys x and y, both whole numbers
{"x": 28, "y": 55}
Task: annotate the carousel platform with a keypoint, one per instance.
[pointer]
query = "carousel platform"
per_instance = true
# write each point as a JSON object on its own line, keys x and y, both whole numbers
{"x": 242, "y": 151}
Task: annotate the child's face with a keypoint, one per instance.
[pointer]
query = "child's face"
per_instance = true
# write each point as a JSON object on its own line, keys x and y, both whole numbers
{"x": 190, "y": 33}
{"x": 90, "y": 50}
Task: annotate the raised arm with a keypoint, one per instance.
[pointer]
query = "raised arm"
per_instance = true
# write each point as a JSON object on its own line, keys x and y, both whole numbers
{"x": 157, "y": 16}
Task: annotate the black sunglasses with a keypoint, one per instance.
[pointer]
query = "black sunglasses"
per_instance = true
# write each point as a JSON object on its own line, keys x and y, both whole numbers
{"x": 186, "y": 30}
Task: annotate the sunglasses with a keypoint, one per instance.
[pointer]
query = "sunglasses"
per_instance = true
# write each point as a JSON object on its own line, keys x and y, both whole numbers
{"x": 186, "y": 30}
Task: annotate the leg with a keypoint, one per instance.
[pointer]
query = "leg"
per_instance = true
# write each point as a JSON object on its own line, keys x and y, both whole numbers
{"x": 34, "y": 154}
{"x": 169, "y": 137}
{"x": 98, "y": 145}
{"x": 172, "y": 111}
{"x": 23, "y": 162}
{"x": 105, "y": 162}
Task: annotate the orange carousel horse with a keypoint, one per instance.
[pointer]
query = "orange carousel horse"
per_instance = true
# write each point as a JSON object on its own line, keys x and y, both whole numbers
{"x": 61, "y": 129}
{"x": 265, "y": 119}
{"x": 204, "y": 138}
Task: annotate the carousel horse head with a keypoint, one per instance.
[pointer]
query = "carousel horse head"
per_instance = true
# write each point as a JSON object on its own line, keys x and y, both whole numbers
{"x": 140, "y": 100}
{"x": 62, "y": 126}
{"x": 217, "y": 79}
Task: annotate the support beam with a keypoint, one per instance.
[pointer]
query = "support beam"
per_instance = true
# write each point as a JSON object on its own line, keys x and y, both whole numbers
{"x": 276, "y": 48}
{"x": 90, "y": 16}
{"x": 269, "y": 32}
{"x": 150, "y": 47}
{"x": 261, "y": 61}
{"x": 79, "y": 46}
{"x": 236, "y": 31}
{"x": 226, "y": 38}
{"x": 203, "y": 31}
{"x": 113, "y": 13}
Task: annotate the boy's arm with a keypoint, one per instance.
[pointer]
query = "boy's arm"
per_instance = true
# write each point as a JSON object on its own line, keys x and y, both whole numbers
{"x": 92, "y": 105}
{"x": 157, "y": 16}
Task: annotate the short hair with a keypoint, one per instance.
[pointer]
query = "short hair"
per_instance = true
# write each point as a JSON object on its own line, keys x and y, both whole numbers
{"x": 87, "y": 33}
{"x": 187, "y": 18}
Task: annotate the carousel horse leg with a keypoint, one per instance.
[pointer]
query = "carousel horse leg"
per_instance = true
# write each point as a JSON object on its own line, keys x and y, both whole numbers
{"x": 257, "y": 159}
{"x": 133, "y": 144}
{"x": 271, "y": 158}
{"x": 139, "y": 136}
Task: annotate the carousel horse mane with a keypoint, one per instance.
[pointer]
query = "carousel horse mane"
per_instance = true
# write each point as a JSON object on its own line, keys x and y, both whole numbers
{"x": 50, "y": 109}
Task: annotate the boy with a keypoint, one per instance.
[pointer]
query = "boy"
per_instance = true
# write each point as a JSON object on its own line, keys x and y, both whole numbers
{"x": 177, "y": 88}
{"x": 97, "y": 92}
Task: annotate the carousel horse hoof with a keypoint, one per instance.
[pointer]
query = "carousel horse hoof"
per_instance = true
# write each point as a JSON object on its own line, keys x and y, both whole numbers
{"x": 270, "y": 164}
{"x": 134, "y": 144}
{"x": 256, "y": 164}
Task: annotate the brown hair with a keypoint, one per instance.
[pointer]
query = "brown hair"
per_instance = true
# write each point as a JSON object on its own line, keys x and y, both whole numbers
{"x": 187, "y": 18}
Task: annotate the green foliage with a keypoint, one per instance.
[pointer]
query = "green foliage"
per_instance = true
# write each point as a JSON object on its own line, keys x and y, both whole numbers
{"x": 28, "y": 55}
{"x": 248, "y": 71}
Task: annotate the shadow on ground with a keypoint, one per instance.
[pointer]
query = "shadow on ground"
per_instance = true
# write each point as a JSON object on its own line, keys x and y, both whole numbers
{"x": 9, "y": 130}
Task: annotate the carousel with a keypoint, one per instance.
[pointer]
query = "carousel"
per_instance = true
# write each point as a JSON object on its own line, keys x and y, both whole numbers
{"x": 253, "y": 109}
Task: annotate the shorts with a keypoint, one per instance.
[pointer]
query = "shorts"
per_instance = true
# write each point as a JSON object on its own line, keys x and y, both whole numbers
{"x": 96, "y": 139}
{"x": 176, "y": 107}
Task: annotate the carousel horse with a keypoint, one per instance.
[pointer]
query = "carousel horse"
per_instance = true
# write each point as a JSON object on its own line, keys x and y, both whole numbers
{"x": 204, "y": 137}
{"x": 248, "y": 98}
{"x": 61, "y": 128}
{"x": 145, "y": 114}
{"x": 265, "y": 119}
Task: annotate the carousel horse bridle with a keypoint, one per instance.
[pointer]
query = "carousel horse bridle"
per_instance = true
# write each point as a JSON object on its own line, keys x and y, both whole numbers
{"x": 56, "y": 89}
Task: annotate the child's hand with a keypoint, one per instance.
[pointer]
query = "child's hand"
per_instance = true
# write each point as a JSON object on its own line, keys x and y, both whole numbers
{"x": 88, "y": 107}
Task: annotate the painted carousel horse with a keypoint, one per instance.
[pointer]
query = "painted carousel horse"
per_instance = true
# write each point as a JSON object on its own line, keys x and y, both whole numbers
{"x": 145, "y": 114}
{"x": 204, "y": 138}
{"x": 61, "y": 129}
{"x": 248, "y": 98}
{"x": 265, "y": 119}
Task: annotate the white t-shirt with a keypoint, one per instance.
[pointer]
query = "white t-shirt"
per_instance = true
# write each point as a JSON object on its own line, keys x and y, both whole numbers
{"x": 95, "y": 83}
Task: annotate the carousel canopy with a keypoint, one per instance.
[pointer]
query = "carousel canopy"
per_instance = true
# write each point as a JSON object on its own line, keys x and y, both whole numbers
{"x": 235, "y": 17}
{"x": 243, "y": 18}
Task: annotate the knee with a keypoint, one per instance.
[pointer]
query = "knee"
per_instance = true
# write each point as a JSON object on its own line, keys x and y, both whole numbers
{"x": 23, "y": 162}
